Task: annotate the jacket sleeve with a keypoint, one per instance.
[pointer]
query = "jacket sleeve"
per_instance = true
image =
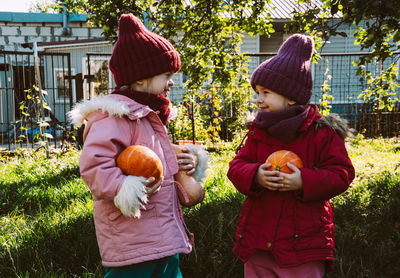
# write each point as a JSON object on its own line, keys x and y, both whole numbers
{"x": 105, "y": 139}
{"x": 332, "y": 174}
{"x": 243, "y": 167}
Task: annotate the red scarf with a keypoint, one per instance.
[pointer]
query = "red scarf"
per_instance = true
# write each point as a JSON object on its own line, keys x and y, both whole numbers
{"x": 158, "y": 103}
{"x": 285, "y": 125}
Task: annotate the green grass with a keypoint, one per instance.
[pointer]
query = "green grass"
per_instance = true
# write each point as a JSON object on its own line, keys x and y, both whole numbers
{"x": 367, "y": 217}
{"x": 46, "y": 224}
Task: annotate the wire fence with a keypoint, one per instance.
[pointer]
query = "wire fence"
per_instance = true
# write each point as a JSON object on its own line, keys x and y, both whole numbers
{"x": 19, "y": 110}
{"x": 333, "y": 71}
{"x": 337, "y": 72}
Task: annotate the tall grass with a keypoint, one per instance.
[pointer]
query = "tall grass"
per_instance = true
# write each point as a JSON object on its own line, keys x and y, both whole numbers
{"x": 46, "y": 224}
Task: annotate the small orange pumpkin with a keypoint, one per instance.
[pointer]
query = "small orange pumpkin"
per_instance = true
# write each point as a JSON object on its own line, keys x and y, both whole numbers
{"x": 279, "y": 160}
{"x": 137, "y": 160}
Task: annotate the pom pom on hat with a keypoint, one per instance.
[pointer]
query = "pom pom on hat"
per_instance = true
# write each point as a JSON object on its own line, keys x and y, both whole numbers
{"x": 288, "y": 73}
{"x": 139, "y": 54}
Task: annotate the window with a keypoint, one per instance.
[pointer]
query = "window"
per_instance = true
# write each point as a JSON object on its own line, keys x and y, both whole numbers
{"x": 176, "y": 92}
{"x": 101, "y": 80}
{"x": 62, "y": 84}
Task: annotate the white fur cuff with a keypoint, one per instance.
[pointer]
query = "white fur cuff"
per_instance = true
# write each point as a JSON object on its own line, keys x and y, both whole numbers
{"x": 131, "y": 196}
{"x": 202, "y": 161}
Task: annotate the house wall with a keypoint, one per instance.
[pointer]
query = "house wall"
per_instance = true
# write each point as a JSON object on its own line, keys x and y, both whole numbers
{"x": 17, "y": 29}
{"x": 78, "y": 59}
{"x": 337, "y": 70}
{"x": 335, "y": 44}
{"x": 251, "y": 44}
{"x": 271, "y": 43}
{"x": 78, "y": 54}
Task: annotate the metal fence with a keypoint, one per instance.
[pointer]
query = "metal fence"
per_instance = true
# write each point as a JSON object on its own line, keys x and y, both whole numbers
{"x": 64, "y": 89}
{"x": 19, "y": 121}
{"x": 337, "y": 71}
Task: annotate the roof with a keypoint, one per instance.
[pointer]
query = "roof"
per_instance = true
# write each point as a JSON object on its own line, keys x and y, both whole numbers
{"x": 67, "y": 43}
{"x": 282, "y": 9}
{"x": 40, "y": 17}
{"x": 279, "y": 10}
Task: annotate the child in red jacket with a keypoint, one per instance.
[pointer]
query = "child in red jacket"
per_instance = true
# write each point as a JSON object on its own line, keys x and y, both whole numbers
{"x": 286, "y": 227}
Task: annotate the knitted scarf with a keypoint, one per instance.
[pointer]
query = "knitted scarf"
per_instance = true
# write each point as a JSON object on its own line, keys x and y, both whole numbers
{"x": 158, "y": 103}
{"x": 284, "y": 125}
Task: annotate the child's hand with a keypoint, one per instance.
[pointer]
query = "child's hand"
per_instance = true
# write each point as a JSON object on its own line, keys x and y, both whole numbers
{"x": 275, "y": 180}
{"x": 268, "y": 179}
{"x": 187, "y": 161}
{"x": 291, "y": 181}
{"x": 155, "y": 188}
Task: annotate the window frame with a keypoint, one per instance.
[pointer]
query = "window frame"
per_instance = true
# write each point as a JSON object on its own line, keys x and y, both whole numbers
{"x": 65, "y": 98}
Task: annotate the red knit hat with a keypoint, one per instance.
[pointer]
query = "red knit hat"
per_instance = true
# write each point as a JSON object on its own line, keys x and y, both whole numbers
{"x": 139, "y": 54}
{"x": 288, "y": 73}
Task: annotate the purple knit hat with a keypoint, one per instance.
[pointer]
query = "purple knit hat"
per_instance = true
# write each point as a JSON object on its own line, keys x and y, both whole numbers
{"x": 139, "y": 54}
{"x": 288, "y": 73}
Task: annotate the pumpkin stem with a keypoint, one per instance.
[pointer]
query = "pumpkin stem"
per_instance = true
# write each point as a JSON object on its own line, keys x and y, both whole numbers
{"x": 277, "y": 168}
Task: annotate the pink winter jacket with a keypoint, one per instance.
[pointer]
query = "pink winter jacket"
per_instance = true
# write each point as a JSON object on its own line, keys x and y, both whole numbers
{"x": 114, "y": 122}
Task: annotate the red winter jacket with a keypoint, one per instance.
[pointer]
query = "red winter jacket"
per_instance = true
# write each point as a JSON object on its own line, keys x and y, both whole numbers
{"x": 296, "y": 227}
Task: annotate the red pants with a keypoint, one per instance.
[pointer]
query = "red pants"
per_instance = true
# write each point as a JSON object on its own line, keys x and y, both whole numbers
{"x": 263, "y": 264}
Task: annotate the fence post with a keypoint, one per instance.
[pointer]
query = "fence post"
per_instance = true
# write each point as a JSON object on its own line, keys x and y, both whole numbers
{"x": 79, "y": 83}
{"x": 193, "y": 131}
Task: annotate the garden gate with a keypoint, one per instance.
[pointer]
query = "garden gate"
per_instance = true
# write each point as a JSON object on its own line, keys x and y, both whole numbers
{"x": 18, "y": 107}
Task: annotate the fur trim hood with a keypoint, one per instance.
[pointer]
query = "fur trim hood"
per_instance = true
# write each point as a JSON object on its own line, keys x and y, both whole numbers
{"x": 114, "y": 105}
{"x": 335, "y": 122}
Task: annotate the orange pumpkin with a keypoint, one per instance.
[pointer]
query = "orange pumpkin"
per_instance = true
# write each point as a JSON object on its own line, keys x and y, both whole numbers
{"x": 193, "y": 189}
{"x": 279, "y": 160}
{"x": 137, "y": 160}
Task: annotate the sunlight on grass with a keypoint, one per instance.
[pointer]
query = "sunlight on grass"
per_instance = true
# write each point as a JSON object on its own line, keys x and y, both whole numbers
{"x": 217, "y": 185}
{"x": 46, "y": 224}
{"x": 372, "y": 157}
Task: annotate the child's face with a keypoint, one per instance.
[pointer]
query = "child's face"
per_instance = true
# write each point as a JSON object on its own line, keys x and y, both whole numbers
{"x": 270, "y": 101}
{"x": 160, "y": 84}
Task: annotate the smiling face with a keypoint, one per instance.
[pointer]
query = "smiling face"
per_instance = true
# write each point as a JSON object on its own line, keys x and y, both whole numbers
{"x": 159, "y": 84}
{"x": 270, "y": 101}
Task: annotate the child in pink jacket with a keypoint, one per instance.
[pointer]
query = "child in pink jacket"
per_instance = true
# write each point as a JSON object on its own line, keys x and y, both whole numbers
{"x": 286, "y": 227}
{"x": 140, "y": 230}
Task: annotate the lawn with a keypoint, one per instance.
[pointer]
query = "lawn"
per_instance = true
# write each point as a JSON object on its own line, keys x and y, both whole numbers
{"x": 46, "y": 224}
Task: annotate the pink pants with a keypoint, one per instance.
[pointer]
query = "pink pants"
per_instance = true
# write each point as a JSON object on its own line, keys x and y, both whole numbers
{"x": 263, "y": 264}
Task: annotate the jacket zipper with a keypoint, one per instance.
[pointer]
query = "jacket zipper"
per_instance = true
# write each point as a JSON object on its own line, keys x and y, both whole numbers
{"x": 296, "y": 235}
{"x": 277, "y": 225}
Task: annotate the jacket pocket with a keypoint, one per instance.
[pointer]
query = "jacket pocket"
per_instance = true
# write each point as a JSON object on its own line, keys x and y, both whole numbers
{"x": 305, "y": 221}
{"x": 114, "y": 215}
{"x": 310, "y": 226}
